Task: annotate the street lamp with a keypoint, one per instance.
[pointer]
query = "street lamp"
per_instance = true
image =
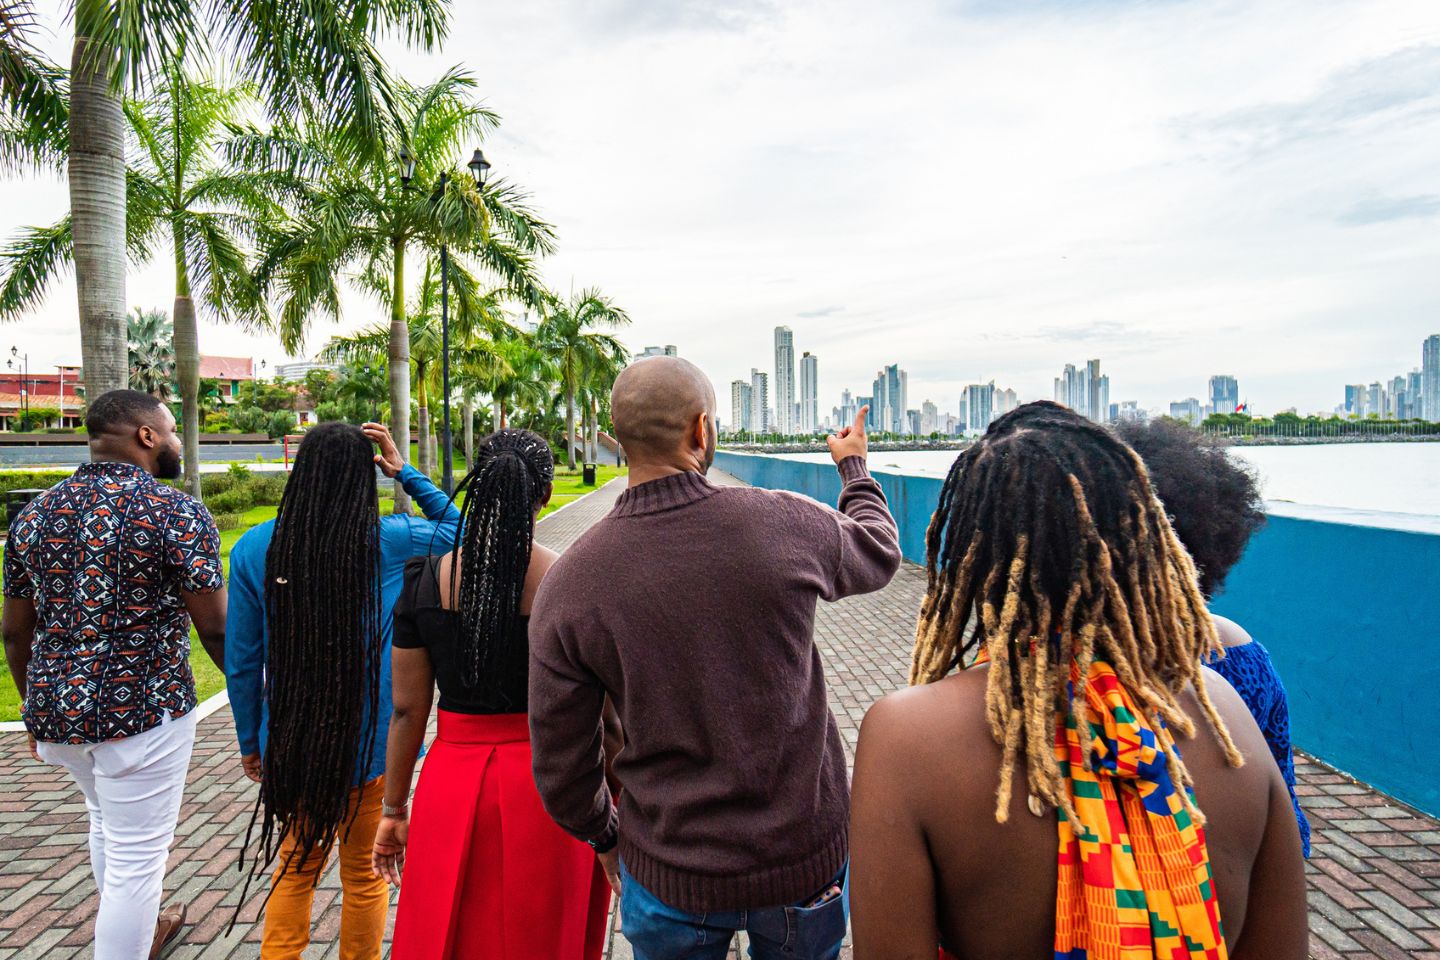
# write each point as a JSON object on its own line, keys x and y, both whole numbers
{"x": 24, "y": 368}
{"x": 480, "y": 171}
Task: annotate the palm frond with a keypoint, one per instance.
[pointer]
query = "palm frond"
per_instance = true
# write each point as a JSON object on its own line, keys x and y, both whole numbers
{"x": 29, "y": 263}
{"x": 220, "y": 275}
{"x": 33, "y": 91}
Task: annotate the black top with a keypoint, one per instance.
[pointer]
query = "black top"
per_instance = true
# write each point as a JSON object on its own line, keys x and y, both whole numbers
{"x": 422, "y": 621}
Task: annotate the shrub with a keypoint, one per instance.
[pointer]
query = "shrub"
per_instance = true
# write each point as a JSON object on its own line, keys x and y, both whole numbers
{"x": 228, "y": 521}
{"x": 214, "y": 483}
{"x": 238, "y": 499}
{"x": 281, "y": 422}
{"x": 249, "y": 419}
{"x": 26, "y": 480}
{"x": 239, "y": 473}
{"x": 266, "y": 489}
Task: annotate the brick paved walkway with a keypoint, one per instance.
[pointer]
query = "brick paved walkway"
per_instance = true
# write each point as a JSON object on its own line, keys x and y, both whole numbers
{"x": 1374, "y": 880}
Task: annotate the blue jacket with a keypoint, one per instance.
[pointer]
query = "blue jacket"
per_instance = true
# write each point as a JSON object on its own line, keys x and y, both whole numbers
{"x": 401, "y": 537}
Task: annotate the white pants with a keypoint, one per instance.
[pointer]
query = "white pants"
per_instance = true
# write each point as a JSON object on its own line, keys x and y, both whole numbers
{"x": 132, "y": 789}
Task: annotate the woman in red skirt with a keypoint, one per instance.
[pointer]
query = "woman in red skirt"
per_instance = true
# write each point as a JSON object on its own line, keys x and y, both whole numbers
{"x": 487, "y": 873}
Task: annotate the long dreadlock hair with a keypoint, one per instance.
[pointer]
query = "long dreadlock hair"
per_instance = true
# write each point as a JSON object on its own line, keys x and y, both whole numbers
{"x": 322, "y": 664}
{"x": 1049, "y": 548}
{"x": 513, "y": 475}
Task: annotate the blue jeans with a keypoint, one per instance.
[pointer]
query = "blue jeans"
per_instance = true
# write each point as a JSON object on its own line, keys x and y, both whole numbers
{"x": 658, "y": 931}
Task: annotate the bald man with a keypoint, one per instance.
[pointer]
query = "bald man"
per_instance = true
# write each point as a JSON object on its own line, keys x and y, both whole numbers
{"x": 693, "y": 606}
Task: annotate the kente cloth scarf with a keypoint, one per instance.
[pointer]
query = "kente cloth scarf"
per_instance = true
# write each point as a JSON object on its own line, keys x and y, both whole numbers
{"x": 1134, "y": 879}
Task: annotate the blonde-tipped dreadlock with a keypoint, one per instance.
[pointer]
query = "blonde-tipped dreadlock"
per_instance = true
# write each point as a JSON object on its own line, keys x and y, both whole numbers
{"x": 1049, "y": 548}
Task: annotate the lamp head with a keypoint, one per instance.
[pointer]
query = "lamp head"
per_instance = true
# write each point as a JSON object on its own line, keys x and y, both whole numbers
{"x": 479, "y": 167}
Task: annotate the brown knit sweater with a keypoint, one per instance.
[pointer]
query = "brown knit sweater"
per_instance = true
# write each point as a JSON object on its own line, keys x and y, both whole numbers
{"x": 693, "y": 606}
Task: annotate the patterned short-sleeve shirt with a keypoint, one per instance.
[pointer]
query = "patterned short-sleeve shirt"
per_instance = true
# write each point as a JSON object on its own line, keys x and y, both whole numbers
{"x": 104, "y": 555}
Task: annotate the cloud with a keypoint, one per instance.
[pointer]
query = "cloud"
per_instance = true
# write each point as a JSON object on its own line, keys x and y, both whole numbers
{"x": 1385, "y": 209}
{"x": 819, "y": 312}
{"x": 1406, "y": 80}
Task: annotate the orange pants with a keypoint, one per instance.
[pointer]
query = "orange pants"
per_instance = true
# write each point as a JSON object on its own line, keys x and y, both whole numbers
{"x": 365, "y": 898}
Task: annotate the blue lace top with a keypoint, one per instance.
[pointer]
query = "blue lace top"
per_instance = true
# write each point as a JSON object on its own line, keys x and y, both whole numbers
{"x": 1252, "y": 674}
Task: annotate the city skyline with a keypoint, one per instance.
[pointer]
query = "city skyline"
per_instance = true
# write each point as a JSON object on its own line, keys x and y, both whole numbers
{"x": 1274, "y": 220}
{"x": 1084, "y": 388}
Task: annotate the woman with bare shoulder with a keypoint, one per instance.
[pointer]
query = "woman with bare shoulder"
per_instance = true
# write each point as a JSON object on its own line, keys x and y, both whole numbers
{"x": 1064, "y": 778}
{"x": 486, "y": 872}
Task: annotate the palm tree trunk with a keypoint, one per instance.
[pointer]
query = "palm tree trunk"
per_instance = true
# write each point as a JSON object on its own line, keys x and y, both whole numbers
{"x": 467, "y": 410}
{"x": 400, "y": 369}
{"x": 498, "y": 414}
{"x": 570, "y": 426}
{"x": 187, "y": 372}
{"x": 97, "y": 204}
{"x": 422, "y": 428}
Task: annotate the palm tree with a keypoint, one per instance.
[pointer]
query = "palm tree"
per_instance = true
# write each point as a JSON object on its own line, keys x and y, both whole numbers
{"x": 151, "y": 350}
{"x": 473, "y": 314}
{"x": 315, "y": 58}
{"x": 33, "y": 95}
{"x": 177, "y": 194}
{"x": 571, "y": 332}
{"x": 364, "y": 214}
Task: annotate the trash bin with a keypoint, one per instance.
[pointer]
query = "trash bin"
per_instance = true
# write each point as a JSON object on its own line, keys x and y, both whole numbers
{"x": 589, "y": 475}
{"x": 15, "y": 501}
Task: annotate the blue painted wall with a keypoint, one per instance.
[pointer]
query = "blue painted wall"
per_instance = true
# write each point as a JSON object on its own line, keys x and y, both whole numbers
{"x": 1348, "y": 607}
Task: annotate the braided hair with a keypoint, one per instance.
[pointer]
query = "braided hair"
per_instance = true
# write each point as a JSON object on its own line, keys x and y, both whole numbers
{"x": 512, "y": 478}
{"x": 322, "y": 663}
{"x": 1049, "y": 548}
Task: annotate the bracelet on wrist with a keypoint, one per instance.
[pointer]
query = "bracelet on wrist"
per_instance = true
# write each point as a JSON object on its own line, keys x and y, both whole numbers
{"x": 401, "y": 812}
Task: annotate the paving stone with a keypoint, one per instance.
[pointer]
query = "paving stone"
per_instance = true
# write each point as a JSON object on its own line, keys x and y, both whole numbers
{"x": 1374, "y": 881}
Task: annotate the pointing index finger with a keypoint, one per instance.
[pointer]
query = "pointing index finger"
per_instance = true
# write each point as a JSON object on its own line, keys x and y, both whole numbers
{"x": 860, "y": 418}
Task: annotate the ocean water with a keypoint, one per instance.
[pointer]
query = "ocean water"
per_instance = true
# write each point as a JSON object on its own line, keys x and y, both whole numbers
{"x": 1391, "y": 477}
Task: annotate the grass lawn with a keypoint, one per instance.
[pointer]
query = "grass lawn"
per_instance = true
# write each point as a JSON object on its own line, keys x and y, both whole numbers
{"x": 209, "y": 679}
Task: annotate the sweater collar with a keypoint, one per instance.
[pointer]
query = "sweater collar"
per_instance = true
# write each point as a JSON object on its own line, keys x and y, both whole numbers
{"x": 667, "y": 493}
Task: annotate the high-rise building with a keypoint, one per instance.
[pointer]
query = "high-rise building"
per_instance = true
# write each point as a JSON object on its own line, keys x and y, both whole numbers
{"x": 666, "y": 351}
{"x": 1375, "y": 399}
{"x": 888, "y": 411}
{"x": 929, "y": 418}
{"x": 785, "y": 380}
{"x": 912, "y": 422}
{"x": 741, "y": 406}
{"x": 979, "y": 406}
{"x": 1086, "y": 391}
{"x": 1398, "y": 402}
{"x": 869, "y": 417}
{"x": 846, "y": 410}
{"x": 1355, "y": 399}
{"x": 1191, "y": 410}
{"x": 1430, "y": 378}
{"x": 760, "y": 402}
{"x": 1127, "y": 411}
{"x": 1005, "y": 401}
{"x": 1224, "y": 394}
{"x": 809, "y": 393}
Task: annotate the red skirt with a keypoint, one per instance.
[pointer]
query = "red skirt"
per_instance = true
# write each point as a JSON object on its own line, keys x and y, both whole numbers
{"x": 488, "y": 874}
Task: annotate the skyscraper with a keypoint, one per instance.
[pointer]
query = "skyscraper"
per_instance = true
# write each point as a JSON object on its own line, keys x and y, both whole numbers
{"x": 888, "y": 410}
{"x": 809, "y": 393}
{"x": 1086, "y": 391}
{"x": 1415, "y": 390}
{"x": 929, "y": 418}
{"x": 760, "y": 401}
{"x": 1430, "y": 378}
{"x": 979, "y": 406}
{"x": 1355, "y": 399}
{"x": 1191, "y": 410}
{"x": 785, "y": 380}
{"x": 666, "y": 351}
{"x": 1224, "y": 394}
{"x": 741, "y": 406}
{"x": 847, "y": 409}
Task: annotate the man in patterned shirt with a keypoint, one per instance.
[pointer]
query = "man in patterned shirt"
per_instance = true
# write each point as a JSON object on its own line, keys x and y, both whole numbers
{"x": 104, "y": 573}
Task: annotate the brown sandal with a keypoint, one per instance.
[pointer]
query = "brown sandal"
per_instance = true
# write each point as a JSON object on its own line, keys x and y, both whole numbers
{"x": 167, "y": 929}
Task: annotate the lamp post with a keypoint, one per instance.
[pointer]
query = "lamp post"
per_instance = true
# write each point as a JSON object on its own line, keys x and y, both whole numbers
{"x": 24, "y": 368}
{"x": 480, "y": 171}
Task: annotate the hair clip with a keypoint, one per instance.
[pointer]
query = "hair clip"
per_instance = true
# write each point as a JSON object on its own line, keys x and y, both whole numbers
{"x": 281, "y": 580}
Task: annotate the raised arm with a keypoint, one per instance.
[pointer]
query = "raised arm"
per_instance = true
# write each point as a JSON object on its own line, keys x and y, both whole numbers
{"x": 567, "y": 736}
{"x": 442, "y": 516}
{"x": 867, "y": 544}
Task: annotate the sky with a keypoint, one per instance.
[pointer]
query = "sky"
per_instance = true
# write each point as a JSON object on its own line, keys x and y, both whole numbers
{"x": 974, "y": 189}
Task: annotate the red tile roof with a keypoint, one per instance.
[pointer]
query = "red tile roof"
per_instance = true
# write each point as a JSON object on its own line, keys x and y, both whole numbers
{"x": 227, "y": 368}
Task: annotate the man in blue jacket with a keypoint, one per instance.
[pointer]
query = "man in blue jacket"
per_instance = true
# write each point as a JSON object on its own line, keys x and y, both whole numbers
{"x": 307, "y": 660}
